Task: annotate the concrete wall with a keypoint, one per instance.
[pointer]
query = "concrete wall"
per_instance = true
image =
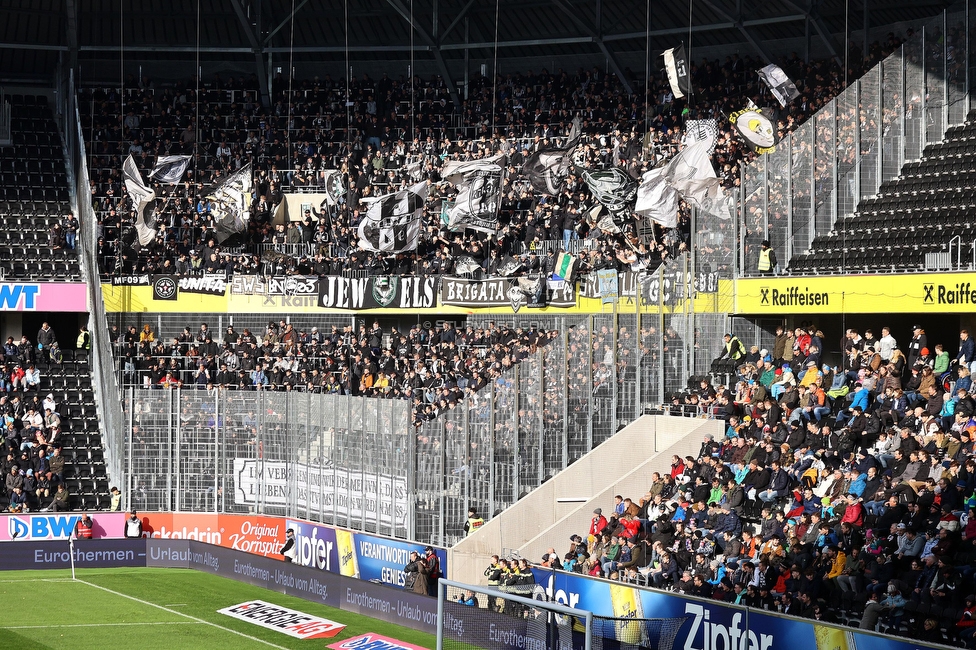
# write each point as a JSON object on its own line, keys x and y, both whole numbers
{"x": 563, "y": 506}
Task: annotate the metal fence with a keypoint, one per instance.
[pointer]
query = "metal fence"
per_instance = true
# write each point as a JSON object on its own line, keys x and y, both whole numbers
{"x": 360, "y": 463}
{"x": 859, "y": 140}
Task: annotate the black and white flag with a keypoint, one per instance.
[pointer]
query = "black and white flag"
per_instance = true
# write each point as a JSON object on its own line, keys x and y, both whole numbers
{"x": 679, "y": 76}
{"x": 392, "y": 223}
{"x": 170, "y": 169}
{"x": 479, "y": 184}
{"x": 509, "y": 266}
{"x": 698, "y": 130}
{"x": 779, "y": 84}
{"x": 142, "y": 198}
{"x": 230, "y": 205}
{"x": 613, "y": 188}
{"x": 335, "y": 186}
{"x": 547, "y": 169}
{"x": 466, "y": 264}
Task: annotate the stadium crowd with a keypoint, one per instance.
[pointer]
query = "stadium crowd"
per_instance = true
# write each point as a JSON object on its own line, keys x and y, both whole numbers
{"x": 434, "y": 368}
{"x": 838, "y": 493}
{"x": 381, "y": 145}
{"x": 31, "y": 457}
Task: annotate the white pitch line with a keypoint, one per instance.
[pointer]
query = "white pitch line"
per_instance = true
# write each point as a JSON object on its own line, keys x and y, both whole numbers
{"x": 58, "y": 627}
{"x": 35, "y": 580}
{"x": 173, "y": 611}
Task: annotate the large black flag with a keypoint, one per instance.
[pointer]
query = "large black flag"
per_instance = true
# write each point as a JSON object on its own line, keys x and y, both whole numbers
{"x": 392, "y": 223}
{"x": 230, "y": 204}
{"x": 679, "y": 76}
{"x": 547, "y": 169}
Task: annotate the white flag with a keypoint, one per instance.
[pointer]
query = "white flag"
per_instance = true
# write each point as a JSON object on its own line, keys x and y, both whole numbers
{"x": 141, "y": 196}
{"x": 657, "y": 200}
{"x": 691, "y": 174}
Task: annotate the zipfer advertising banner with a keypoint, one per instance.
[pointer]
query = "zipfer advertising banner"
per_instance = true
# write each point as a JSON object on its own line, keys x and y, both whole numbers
{"x": 319, "y": 546}
{"x": 707, "y": 625}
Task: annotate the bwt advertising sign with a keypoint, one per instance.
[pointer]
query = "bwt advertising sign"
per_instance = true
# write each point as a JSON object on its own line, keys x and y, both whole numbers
{"x": 57, "y": 526}
{"x": 45, "y": 296}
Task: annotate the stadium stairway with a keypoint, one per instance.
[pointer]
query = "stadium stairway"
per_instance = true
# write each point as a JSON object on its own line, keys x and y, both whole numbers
{"x": 563, "y": 506}
{"x": 920, "y": 212}
{"x": 33, "y": 197}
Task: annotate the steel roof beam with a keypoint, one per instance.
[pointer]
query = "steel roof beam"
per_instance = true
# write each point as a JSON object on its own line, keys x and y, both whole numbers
{"x": 434, "y": 49}
{"x": 259, "y": 66}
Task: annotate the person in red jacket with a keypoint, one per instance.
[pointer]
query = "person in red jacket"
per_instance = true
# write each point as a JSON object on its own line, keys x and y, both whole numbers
{"x": 966, "y": 625}
{"x": 598, "y": 523}
{"x": 83, "y": 529}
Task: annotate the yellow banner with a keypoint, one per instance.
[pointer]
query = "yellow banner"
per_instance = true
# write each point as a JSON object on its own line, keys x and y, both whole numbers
{"x": 139, "y": 299}
{"x": 860, "y": 294}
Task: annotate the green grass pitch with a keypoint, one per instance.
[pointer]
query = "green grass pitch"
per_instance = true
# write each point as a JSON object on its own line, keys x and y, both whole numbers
{"x": 155, "y": 608}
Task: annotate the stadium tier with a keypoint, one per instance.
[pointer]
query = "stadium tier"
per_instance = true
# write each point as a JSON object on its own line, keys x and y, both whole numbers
{"x": 710, "y": 325}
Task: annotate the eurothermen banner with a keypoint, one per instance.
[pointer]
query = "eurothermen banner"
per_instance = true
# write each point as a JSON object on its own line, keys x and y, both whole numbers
{"x": 708, "y": 625}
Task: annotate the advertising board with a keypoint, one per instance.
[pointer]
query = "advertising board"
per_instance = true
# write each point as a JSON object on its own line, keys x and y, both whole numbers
{"x": 707, "y": 624}
{"x": 249, "y": 533}
{"x": 56, "y": 554}
{"x": 58, "y": 525}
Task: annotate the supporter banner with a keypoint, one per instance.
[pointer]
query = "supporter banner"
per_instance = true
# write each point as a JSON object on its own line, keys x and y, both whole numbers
{"x": 58, "y": 526}
{"x": 629, "y": 283}
{"x": 165, "y": 287}
{"x": 498, "y": 292}
{"x": 210, "y": 284}
{"x": 88, "y": 553}
{"x": 169, "y": 287}
{"x": 293, "y": 206}
{"x": 130, "y": 280}
{"x": 708, "y": 624}
{"x": 607, "y": 279}
{"x": 290, "y": 285}
{"x": 401, "y": 292}
{"x": 43, "y": 296}
{"x": 413, "y": 298}
{"x": 349, "y": 494}
{"x": 867, "y": 294}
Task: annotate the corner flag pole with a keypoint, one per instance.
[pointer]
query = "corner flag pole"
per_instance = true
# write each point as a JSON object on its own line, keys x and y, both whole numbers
{"x": 71, "y": 552}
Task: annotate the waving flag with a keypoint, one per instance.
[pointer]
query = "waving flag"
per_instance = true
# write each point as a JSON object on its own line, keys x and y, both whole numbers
{"x": 142, "y": 197}
{"x": 479, "y": 184}
{"x": 392, "y": 223}
{"x": 676, "y": 64}
{"x": 230, "y": 205}
{"x": 547, "y": 169}
{"x": 170, "y": 169}
{"x": 783, "y": 89}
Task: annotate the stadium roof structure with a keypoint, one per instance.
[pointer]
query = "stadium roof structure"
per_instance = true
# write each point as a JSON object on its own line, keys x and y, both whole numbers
{"x": 37, "y": 34}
